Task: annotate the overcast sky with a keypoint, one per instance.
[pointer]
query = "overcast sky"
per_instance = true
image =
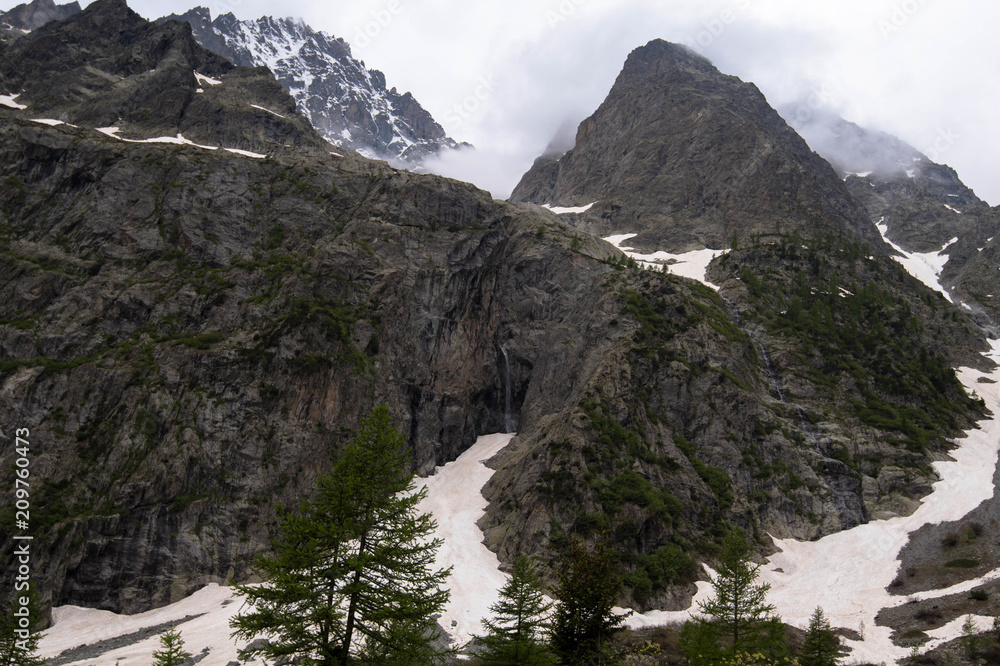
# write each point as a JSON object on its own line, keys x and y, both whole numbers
{"x": 505, "y": 76}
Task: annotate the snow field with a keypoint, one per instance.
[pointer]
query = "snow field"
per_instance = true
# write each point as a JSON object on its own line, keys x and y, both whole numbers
{"x": 454, "y": 498}
{"x": 925, "y": 266}
{"x": 74, "y": 626}
{"x": 847, "y": 573}
{"x": 691, "y": 265}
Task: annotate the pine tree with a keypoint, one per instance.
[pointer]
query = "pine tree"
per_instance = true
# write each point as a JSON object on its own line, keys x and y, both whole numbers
{"x": 18, "y": 643}
{"x": 520, "y": 618}
{"x": 351, "y": 572}
{"x": 739, "y": 606}
{"x": 970, "y": 638}
{"x": 584, "y": 620}
{"x": 172, "y": 651}
{"x": 821, "y": 646}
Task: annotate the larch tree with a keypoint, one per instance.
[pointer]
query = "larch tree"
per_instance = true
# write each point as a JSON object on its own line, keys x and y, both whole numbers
{"x": 821, "y": 646}
{"x": 584, "y": 620}
{"x": 516, "y": 632}
{"x": 171, "y": 652}
{"x": 739, "y": 607}
{"x": 351, "y": 578}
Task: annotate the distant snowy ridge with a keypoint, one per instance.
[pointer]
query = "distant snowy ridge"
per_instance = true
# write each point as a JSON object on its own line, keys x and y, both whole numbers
{"x": 346, "y": 102}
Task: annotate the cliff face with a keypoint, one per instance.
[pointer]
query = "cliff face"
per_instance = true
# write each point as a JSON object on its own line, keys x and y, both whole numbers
{"x": 190, "y": 332}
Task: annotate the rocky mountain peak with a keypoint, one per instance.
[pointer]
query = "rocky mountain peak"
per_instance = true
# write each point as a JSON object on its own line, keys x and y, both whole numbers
{"x": 665, "y": 61}
{"x": 689, "y": 158}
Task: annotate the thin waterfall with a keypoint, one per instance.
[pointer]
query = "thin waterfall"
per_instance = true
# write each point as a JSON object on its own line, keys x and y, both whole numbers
{"x": 807, "y": 428}
{"x": 507, "y": 420}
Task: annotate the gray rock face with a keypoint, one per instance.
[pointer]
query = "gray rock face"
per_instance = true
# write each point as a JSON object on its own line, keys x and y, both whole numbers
{"x": 690, "y": 158}
{"x": 346, "y": 102}
{"x": 28, "y": 16}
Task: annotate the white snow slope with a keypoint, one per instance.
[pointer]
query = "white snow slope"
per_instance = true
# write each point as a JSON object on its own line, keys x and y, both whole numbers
{"x": 925, "y": 266}
{"x": 689, "y": 264}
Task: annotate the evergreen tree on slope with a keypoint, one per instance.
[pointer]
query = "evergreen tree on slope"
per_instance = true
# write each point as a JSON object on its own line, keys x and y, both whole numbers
{"x": 520, "y": 620}
{"x": 351, "y": 579}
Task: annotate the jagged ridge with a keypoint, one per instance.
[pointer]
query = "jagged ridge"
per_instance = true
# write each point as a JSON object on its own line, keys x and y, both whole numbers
{"x": 345, "y": 101}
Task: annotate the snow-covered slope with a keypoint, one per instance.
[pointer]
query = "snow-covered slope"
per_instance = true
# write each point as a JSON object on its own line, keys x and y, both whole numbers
{"x": 345, "y": 101}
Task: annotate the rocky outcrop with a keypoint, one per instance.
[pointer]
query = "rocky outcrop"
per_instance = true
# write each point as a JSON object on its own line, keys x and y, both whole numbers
{"x": 809, "y": 425}
{"x": 28, "y": 16}
{"x": 346, "y": 102}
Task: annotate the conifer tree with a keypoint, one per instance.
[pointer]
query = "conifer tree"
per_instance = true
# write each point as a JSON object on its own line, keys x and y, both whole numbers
{"x": 351, "y": 576}
{"x": 584, "y": 620}
{"x": 18, "y": 643}
{"x": 520, "y": 620}
{"x": 821, "y": 646}
{"x": 739, "y": 606}
{"x": 172, "y": 652}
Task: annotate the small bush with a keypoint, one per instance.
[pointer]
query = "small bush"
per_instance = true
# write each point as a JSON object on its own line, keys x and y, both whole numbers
{"x": 962, "y": 563}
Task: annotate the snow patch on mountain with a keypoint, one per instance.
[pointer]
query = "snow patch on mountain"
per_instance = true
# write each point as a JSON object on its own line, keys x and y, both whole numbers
{"x": 562, "y": 210}
{"x": 693, "y": 265}
{"x": 925, "y": 266}
{"x": 8, "y": 100}
{"x": 455, "y": 499}
{"x": 850, "y": 571}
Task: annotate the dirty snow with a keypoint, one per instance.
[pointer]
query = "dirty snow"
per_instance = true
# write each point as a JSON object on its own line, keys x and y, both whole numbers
{"x": 691, "y": 265}
{"x": 559, "y": 210}
{"x": 454, "y": 498}
{"x": 8, "y": 100}
{"x": 848, "y": 572}
{"x": 925, "y": 266}
{"x": 74, "y": 626}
